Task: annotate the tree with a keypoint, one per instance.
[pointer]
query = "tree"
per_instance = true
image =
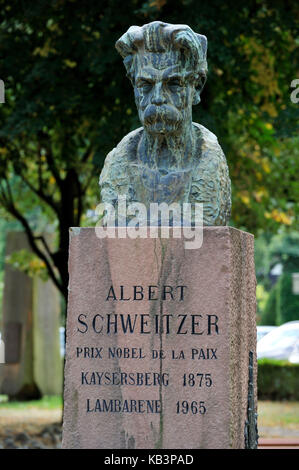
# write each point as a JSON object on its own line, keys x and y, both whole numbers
{"x": 282, "y": 305}
{"x": 55, "y": 121}
{"x": 269, "y": 314}
{"x": 68, "y": 103}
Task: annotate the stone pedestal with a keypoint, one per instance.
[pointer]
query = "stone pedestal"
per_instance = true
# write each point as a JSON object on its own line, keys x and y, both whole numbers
{"x": 30, "y": 331}
{"x": 159, "y": 339}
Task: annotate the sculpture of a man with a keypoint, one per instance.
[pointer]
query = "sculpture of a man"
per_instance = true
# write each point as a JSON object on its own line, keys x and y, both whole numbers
{"x": 170, "y": 159}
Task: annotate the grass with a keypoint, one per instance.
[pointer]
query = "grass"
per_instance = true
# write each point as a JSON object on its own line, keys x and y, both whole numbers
{"x": 278, "y": 414}
{"x": 270, "y": 413}
{"x": 47, "y": 402}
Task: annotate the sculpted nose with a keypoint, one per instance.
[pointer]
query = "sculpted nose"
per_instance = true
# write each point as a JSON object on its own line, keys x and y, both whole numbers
{"x": 158, "y": 97}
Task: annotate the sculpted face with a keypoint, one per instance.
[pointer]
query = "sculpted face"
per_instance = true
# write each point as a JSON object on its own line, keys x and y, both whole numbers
{"x": 164, "y": 93}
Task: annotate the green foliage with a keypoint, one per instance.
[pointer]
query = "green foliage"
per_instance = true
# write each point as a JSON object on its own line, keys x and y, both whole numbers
{"x": 51, "y": 402}
{"x": 271, "y": 249}
{"x": 282, "y": 305}
{"x": 68, "y": 103}
{"x": 285, "y": 249}
{"x": 262, "y": 297}
{"x": 262, "y": 257}
{"x": 287, "y": 302}
{"x": 5, "y": 226}
{"x": 269, "y": 314}
{"x": 28, "y": 263}
{"x": 278, "y": 380}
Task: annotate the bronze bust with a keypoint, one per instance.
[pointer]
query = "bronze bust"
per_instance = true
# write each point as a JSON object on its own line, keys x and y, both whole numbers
{"x": 170, "y": 159}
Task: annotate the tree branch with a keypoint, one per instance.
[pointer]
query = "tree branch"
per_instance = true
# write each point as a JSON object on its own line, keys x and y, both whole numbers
{"x": 10, "y": 206}
{"x": 87, "y": 154}
{"x": 45, "y": 244}
{"x": 42, "y": 136}
{"x": 40, "y": 193}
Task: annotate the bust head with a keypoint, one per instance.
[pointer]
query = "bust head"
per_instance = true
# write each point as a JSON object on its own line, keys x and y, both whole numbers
{"x": 167, "y": 67}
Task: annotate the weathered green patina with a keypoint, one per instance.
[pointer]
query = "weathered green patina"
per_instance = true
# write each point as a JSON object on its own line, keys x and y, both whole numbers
{"x": 251, "y": 431}
{"x": 170, "y": 159}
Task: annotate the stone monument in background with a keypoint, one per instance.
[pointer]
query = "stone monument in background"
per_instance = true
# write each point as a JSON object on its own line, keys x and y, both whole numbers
{"x": 161, "y": 339}
{"x": 30, "y": 330}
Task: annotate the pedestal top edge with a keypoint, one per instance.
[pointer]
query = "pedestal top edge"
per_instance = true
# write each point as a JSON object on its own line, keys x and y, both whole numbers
{"x": 221, "y": 228}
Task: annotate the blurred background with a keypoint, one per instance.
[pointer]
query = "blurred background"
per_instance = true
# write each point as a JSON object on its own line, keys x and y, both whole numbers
{"x": 67, "y": 104}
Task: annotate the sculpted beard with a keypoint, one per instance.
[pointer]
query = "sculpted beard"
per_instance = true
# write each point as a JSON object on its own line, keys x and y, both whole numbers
{"x": 161, "y": 118}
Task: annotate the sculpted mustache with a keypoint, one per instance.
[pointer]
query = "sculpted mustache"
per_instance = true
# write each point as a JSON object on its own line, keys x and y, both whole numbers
{"x": 165, "y": 112}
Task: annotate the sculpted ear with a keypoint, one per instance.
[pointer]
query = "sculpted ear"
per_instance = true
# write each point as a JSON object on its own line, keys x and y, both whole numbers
{"x": 196, "y": 97}
{"x": 198, "y": 88}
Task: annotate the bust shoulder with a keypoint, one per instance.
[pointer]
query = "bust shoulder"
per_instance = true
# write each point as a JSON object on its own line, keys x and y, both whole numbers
{"x": 207, "y": 139}
{"x": 126, "y": 149}
{"x": 115, "y": 176}
{"x": 210, "y": 182}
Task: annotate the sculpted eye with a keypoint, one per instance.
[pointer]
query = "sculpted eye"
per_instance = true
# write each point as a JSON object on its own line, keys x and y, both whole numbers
{"x": 174, "y": 83}
{"x": 144, "y": 84}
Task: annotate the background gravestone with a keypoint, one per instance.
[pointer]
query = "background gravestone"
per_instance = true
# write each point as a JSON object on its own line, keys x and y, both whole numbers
{"x": 30, "y": 330}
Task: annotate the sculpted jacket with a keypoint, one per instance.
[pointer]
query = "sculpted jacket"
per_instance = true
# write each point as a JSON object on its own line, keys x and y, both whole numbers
{"x": 204, "y": 180}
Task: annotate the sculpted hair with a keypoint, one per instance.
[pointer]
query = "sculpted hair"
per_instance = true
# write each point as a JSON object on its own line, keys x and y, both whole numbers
{"x": 164, "y": 37}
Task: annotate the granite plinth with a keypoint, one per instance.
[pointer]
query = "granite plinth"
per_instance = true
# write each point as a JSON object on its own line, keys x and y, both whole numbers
{"x": 158, "y": 341}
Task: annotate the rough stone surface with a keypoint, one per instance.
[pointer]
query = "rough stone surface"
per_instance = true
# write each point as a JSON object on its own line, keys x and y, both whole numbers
{"x": 49, "y": 437}
{"x": 220, "y": 280}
